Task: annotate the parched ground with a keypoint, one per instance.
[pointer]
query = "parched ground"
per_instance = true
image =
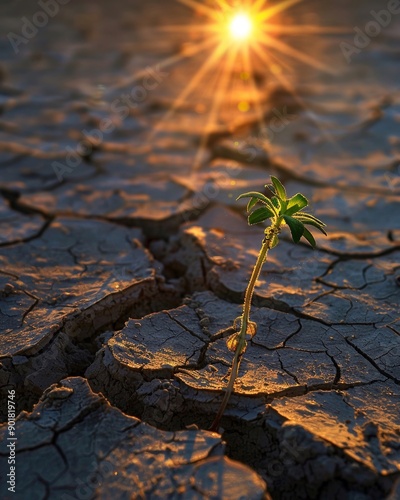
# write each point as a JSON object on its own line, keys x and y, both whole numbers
{"x": 123, "y": 255}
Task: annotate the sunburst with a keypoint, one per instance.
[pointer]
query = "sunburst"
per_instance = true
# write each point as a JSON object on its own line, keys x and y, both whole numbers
{"x": 235, "y": 34}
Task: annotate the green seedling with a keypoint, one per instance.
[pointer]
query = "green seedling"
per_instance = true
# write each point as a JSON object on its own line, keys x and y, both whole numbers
{"x": 282, "y": 212}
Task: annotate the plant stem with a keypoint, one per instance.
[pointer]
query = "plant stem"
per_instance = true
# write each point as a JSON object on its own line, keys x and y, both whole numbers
{"x": 252, "y": 283}
{"x": 266, "y": 246}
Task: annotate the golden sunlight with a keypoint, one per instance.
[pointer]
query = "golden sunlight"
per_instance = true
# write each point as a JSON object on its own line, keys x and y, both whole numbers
{"x": 234, "y": 38}
{"x": 241, "y": 26}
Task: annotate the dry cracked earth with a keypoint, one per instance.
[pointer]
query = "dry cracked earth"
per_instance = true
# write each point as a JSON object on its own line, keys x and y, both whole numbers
{"x": 119, "y": 271}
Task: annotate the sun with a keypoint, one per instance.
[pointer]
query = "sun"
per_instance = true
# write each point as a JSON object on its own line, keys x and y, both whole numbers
{"x": 237, "y": 38}
{"x": 241, "y": 26}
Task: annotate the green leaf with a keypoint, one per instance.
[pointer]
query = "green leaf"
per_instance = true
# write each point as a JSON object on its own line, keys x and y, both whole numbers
{"x": 271, "y": 188}
{"x": 280, "y": 190}
{"x": 260, "y": 215}
{"x": 293, "y": 210}
{"x": 251, "y": 203}
{"x": 260, "y": 197}
{"x": 253, "y": 194}
{"x": 311, "y": 221}
{"x": 276, "y": 202}
{"x": 296, "y": 203}
{"x": 311, "y": 217}
{"x": 295, "y": 226}
{"x": 275, "y": 241}
{"x": 309, "y": 237}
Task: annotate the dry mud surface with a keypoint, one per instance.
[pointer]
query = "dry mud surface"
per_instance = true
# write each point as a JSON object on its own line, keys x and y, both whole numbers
{"x": 122, "y": 453}
{"x": 118, "y": 273}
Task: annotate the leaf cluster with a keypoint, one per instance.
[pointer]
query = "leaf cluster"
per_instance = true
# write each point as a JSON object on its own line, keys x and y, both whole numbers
{"x": 283, "y": 211}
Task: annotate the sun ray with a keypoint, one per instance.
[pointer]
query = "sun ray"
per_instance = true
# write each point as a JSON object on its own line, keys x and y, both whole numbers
{"x": 305, "y": 29}
{"x": 169, "y": 61}
{"x": 276, "y": 9}
{"x": 294, "y": 53}
{"x": 208, "y": 11}
{"x": 235, "y": 34}
{"x": 198, "y": 28}
{"x": 290, "y": 88}
{"x": 223, "y": 4}
{"x": 325, "y": 133}
{"x": 201, "y": 72}
{"x": 258, "y": 5}
{"x": 255, "y": 97}
{"x": 218, "y": 97}
{"x": 269, "y": 60}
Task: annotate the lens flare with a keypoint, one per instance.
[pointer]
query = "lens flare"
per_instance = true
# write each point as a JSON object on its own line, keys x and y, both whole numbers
{"x": 241, "y": 26}
{"x": 239, "y": 42}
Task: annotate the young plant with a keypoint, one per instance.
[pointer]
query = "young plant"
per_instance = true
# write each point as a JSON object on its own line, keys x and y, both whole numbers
{"x": 282, "y": 212}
